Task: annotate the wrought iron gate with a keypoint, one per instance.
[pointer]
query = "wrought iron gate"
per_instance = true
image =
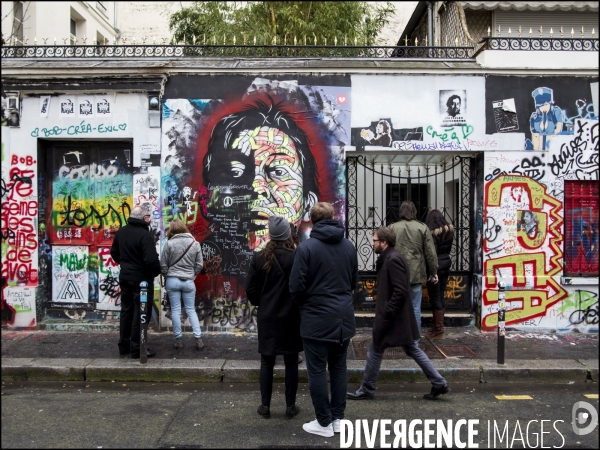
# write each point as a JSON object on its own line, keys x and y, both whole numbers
{"x": 375, "y": 191}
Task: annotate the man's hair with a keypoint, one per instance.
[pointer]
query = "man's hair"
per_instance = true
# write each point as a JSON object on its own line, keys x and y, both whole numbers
{"x": 386, "y": 235}
{"x": 408, "y": 210}
{"x": 255, "y": 113}
{"x": 450, "y": 100}
{"x": 321, "y": 211}
{"x": 138, "y": 212}
{"x": 176, "y": 227}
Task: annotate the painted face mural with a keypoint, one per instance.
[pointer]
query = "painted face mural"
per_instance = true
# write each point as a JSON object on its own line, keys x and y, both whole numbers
{"x": 236, "y": 163}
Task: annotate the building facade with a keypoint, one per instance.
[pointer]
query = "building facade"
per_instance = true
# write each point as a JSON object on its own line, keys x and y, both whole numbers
{"x": 504, "y": 141}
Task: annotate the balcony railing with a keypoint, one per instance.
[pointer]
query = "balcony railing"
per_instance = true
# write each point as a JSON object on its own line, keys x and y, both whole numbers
{"x": 542, "y": 44}
{"x": 236, "y": 51}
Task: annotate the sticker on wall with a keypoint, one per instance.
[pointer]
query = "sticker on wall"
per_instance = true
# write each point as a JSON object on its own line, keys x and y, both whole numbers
{"x": 44, "y": 105}
{"x": 102, "y": 106}
{"x": 85, "y": 106}
{"x": 453, "y": 107}
{"x": 70, "y": 274}
{"x": 67, "y": 105}
{"x": 505, "y": 115}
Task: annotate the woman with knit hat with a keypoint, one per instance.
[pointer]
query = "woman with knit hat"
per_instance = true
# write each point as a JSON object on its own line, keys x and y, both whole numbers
{"x": 267, "y": 286}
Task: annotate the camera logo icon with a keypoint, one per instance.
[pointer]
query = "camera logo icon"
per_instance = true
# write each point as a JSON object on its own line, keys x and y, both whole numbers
{"x": 579, "y": 418}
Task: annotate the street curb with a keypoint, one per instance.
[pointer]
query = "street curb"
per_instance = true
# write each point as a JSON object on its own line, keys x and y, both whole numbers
{"x": 236, "y": 371}
{"x": 44, "y": 369}
{"x": 533, "y": 371}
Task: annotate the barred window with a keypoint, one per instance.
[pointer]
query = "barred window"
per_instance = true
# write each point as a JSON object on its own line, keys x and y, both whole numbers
{"x": 581, "y": 228}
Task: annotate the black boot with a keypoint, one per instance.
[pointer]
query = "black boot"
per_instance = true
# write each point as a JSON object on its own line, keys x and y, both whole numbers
{"x": 291, "y": 411}
{"x": 264, "y": 411}
{"x": 436, "y": 392}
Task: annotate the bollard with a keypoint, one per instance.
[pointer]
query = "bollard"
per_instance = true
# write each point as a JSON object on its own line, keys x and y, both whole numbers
{"x": 501, "y": 321}
{"x": 143, "y": 321}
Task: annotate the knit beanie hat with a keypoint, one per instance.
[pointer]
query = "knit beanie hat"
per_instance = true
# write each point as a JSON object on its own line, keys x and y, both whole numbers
{"x": 279, "y": 228}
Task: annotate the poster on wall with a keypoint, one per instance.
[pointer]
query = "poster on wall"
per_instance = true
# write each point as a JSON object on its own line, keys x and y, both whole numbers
{"x": 68, "y": 105}
{"x": 274, "y": 147}
{"x": 546, "y": 109}
{"x": 453, "y": 107}
{"x": 70, "y": 274}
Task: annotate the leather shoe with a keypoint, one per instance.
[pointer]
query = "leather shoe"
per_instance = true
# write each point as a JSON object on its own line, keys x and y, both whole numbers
{"x": 149, "y": 354}
{"x": 264, "y": 411}
{"x": 359, "y": 395}
{"x": 291, "y": 411}
{"x": 436, "y": 392}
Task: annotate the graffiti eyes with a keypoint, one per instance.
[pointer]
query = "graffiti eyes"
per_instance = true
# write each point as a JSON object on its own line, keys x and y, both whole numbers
{"x": 237, "y": 169}
{"x": 277, "y": 172}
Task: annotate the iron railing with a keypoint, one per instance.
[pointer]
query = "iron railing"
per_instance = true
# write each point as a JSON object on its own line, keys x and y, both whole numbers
{"x": 542, "y": 44}
{"x": 244, "y": 51}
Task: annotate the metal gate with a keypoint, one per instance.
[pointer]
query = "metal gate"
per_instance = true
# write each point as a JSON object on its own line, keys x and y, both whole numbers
{"x": 376, "y": 186}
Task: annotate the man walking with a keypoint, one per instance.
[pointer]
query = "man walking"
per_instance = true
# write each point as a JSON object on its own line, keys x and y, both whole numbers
{"x": 414, "y": 241}
{"x": 395, "y": 323}
{"x": 133, "y": 248}
{"x": 324, "y": 273}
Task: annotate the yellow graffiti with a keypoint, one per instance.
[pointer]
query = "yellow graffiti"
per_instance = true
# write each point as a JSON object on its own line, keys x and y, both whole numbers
{"x": 525, "y": 304}
{"x": 455, "y": 288}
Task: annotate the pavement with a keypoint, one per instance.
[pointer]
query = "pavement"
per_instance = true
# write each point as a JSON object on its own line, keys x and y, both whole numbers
{"x": 464, "y": 354}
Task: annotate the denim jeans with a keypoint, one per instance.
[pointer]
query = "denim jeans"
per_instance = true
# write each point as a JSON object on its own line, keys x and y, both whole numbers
{"x": 374, "y": 356}
{"x": 320, "y": 356}
{"x": 416, "y": 293}
{"x": 186, "y": 289}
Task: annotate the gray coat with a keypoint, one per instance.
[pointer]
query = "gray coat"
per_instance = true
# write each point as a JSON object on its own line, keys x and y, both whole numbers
{"x": 187, "y": 267}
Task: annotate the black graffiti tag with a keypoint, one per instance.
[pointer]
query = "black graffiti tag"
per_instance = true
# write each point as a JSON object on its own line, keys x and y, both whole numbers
{"x": 571, "y": 156}
{"x": 79, "y": 217}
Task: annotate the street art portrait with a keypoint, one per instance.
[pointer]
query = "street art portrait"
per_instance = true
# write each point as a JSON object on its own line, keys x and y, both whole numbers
{"x": 232, "y": 163}
{"x": 453, "y": 107}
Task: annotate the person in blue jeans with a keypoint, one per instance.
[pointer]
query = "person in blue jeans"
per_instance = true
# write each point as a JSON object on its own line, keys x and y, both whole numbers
{"x": 180, "y": 263}
{"x": 324, "y": 274}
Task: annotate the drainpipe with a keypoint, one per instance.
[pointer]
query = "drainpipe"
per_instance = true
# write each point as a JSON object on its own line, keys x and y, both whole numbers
{"x": 118, "y": 36}
{"x": 430, "y": 23}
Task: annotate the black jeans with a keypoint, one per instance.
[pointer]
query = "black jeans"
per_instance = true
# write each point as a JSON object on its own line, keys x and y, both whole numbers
{"x": 320, "y": 356}
{"x": 129, "y": 329}
{"x": 267, "y": 362}
{"x": 436, "y": 291}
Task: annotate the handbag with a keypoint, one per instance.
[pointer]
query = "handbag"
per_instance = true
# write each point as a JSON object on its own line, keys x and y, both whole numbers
{"x": 170, "y": 265}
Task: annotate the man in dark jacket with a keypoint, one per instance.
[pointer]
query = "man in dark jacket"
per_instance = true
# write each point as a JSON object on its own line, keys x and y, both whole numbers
{"x": 133, "y": 249}
{"x": 324, "y": 274}
{"x": 395, "y": 324}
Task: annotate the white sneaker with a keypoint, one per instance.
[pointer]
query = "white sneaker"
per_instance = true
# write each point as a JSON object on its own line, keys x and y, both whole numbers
{"x": 315, "y": 428}
{"x": 336, "y": 426}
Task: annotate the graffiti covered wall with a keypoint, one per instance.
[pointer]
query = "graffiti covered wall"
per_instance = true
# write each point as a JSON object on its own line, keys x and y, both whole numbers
{"x": 271, "y": 146}
{"x": 55, "y": 247}
{"x": 234, "y": 149}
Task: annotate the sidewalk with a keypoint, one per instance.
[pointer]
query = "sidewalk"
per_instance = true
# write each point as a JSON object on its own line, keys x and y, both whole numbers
{"x": 464, "y": 354}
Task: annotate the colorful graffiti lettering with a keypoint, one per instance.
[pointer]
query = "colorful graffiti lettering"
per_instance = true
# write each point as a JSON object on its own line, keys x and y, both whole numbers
{"x": 532, "y": 288}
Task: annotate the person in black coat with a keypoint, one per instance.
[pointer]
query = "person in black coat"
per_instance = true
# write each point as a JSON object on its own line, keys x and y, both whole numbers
{"x": 443, "y": 235}
{"x": 134, "y": 250}
{"x": 267, "y": 286}
{"x": 395, "y": 324}
{"x": 324, "y": 274}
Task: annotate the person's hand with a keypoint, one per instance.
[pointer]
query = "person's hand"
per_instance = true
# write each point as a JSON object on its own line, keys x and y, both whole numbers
{"x": 433, "y": 279}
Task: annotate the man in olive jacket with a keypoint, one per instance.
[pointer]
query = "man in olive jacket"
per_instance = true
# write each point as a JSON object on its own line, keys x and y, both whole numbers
{"x": 324, "y": 274}
{"x": 395, "y": 323}
{"x": 414, "y": 241}
{"x": 133, "y": 249}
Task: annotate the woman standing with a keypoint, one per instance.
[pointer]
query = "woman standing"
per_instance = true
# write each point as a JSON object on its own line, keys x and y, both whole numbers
{"x": 267, "y": 286}
{"x": 180, "y": 262}
{"x": 443, "y": 234}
